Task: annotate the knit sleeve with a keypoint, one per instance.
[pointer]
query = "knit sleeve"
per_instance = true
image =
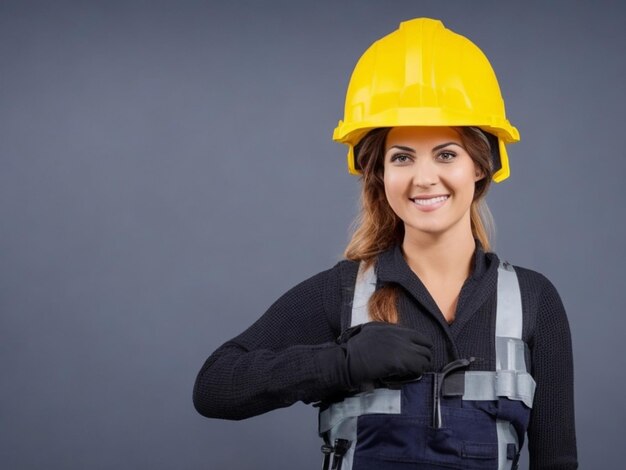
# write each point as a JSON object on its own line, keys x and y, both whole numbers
{"x": 551, "y": 432}
{"x": 288, "y": 355}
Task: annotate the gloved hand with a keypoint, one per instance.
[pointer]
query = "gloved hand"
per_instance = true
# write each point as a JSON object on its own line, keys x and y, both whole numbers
{"x": 379, "y": 351}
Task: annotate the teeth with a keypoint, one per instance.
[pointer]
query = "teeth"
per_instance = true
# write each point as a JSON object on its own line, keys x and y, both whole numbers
{"x": 431, "y": 201}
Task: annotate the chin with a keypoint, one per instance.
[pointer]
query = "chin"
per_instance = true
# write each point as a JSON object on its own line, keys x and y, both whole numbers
{"x": 431, "y": 230}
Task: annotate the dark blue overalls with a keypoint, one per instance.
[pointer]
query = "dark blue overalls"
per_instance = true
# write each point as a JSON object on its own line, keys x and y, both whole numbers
{"x": 453, "y": 419}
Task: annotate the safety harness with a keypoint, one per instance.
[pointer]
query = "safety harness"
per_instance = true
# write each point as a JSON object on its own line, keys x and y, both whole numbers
{"x": 454, "y": 418}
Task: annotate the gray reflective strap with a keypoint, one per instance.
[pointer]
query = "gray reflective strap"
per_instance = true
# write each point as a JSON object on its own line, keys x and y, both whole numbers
{"x": 380, "y": 400}
{"x": 340, "y": 419}
{"x": 506, "y": 436}
{"x": 487, "y": 385}
{"x": 363, "y": 290}
{"x": 512, "y": 379}
{"x": 509, "y": 314}
{"x": 510, "y": 354}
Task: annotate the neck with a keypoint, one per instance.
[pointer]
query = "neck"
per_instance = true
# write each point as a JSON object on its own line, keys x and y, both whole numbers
{"x": 442, "y": 256}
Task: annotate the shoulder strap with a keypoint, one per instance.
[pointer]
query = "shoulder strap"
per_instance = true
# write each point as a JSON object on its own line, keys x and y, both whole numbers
{"x": 509, "y": 320}
{"x": 363, "y": 290}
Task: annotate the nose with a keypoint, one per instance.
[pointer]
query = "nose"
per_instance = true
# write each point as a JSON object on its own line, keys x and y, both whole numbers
{"x": 425, "y": 173}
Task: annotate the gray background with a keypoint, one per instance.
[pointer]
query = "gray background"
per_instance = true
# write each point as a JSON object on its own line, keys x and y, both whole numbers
{"x": 168, "y": 172}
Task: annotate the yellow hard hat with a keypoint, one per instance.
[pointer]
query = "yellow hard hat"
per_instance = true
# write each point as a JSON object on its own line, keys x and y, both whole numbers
{"x": 424, "y": 74}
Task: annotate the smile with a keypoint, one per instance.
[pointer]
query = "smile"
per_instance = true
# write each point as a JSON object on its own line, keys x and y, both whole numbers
{"x": 431, "y": 201}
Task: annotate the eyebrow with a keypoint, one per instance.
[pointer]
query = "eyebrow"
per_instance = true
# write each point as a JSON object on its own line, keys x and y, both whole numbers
{"x": 435, "y": 148}
{"x": 440, "y": 146}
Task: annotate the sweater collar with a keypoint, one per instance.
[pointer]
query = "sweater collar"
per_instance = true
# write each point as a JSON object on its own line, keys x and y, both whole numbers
{"x": 392, "y": 267}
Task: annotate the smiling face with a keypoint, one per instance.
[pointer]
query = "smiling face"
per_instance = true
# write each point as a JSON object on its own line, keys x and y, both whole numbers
{"x": 429, "y": 180}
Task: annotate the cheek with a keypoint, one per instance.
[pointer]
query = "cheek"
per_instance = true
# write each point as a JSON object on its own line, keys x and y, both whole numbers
{"x": 463, "y": 179}
{"x": 395, "y": 185}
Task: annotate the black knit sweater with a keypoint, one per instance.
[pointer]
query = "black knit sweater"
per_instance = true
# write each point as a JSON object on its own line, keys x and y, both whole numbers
{"x": 290, "y": 353}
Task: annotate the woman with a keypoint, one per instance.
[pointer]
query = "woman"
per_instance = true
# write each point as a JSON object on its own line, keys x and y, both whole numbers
{"x": 421, "y": 348}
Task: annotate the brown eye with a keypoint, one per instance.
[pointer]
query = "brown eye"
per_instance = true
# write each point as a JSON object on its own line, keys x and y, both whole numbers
{"x": 400, "y": 158}
{"x": 446, "y": 156}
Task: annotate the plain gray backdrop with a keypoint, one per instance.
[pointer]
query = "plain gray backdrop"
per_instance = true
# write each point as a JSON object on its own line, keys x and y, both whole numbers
{"x": 168, "y": 172}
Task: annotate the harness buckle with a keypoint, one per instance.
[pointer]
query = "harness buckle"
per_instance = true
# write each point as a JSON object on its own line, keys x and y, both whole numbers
{"x": 341, "y": 447}
{"x": 438, "y": 381}
{"x": 327, "y": 449}
{"x": 513, "y": 454}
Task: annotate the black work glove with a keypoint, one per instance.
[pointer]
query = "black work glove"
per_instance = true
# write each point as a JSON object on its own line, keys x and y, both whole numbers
{"x": 379, "y": 351}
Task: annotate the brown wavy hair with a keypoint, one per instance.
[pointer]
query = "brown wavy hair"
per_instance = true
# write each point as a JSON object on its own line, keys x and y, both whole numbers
{"x": 377, "y": 227}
